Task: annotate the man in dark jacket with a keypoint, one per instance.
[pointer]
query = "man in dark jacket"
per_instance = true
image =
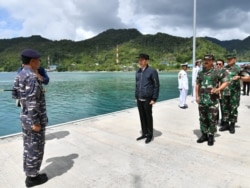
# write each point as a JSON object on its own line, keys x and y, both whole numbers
{"x": 146, "y": 94}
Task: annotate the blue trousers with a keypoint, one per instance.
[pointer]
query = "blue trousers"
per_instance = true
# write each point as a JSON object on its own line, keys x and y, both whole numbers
{"x": 33, "y": 143}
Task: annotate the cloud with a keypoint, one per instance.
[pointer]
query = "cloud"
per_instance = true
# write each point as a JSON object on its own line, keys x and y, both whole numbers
{"x": 82, "y": 19}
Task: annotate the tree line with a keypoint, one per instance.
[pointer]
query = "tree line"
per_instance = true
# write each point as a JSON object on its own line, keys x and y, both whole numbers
{"x": 100, "y": 52}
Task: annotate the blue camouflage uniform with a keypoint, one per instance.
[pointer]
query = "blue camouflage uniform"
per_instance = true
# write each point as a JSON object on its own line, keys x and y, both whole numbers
{"x": 29, "y": 90}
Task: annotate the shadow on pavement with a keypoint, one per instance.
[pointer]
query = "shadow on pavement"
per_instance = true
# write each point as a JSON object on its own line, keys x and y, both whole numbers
{"x": 59, "y": 165}
{"x": 57, "y": 135}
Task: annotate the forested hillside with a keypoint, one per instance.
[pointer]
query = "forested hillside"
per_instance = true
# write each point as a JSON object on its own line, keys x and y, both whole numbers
{"x": 100, "y": 52}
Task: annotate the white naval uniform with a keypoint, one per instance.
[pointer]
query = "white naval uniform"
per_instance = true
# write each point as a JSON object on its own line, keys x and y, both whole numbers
{"x": 183, "y": 87}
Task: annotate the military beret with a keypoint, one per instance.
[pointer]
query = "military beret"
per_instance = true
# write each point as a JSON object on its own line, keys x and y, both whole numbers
{"x": 143, "y": 56}
{"x": 30, "y": 53}
{"x": 230, "y": 55}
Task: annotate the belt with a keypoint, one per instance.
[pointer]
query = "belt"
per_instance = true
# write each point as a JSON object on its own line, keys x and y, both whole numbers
{"x": 206, "y": 90}
{"x": 142, "y": 100}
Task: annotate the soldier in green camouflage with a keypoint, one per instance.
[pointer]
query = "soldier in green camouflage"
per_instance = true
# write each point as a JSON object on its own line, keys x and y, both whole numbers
{"x": 230, "y": 98}
{"x": 207, "y": 89}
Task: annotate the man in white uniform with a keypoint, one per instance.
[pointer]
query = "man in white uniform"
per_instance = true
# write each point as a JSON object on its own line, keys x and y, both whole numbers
{"x": 183, "y": 85}
{"x": 194, "y": 76}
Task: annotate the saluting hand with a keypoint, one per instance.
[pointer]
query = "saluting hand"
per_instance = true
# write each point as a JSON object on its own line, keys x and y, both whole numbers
{"x": 39, "y": 77}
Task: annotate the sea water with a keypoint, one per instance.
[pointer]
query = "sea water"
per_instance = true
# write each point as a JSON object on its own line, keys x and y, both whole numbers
{"x": 77, "y": 95}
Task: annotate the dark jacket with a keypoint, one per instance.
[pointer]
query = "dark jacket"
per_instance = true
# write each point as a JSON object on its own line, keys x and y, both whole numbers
{"x": 147, "y": 84}
{"x": 42, "y": 72}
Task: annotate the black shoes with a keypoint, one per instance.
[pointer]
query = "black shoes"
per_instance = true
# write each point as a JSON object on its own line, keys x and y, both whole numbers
{"x": 141, "y": 137}
{"x": 210, "y": 141}
{"x": 203, "y": 138}
{"x": 225, "y": 126}
{"x": 232, "y": 128}
{"x": 149, "y": 139}
{"x": 38, "y": 180}
{"x": 209, "y": 138}
{"x": 183, "y": 107}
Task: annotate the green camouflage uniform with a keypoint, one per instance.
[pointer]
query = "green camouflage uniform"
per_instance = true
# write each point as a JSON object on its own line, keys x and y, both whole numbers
{"x": 209, "y": 103}
{"x": 230, "y": 98}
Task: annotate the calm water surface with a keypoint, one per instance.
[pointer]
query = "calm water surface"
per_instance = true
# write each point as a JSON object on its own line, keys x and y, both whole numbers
{"x": 76, "y": 95}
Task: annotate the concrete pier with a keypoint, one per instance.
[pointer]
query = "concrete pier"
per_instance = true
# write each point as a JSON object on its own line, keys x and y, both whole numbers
{"x": 103, "y": 152}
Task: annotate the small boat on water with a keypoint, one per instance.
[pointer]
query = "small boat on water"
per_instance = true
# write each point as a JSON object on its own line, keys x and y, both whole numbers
{"x": 51, "y": 68}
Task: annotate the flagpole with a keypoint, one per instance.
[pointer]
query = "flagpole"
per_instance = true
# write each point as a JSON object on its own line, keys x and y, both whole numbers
{"x": 194, "y": 34}
{"x": 194, "y": 51}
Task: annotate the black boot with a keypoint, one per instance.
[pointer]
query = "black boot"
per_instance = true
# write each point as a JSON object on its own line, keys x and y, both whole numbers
{"x": 38, "y": 180}
{"x": 222, "y": 123}
{"x": 203, "y": 138}
{"x": 232, "y": 128}
{"x": 210, "y": 141}
{"x": 225, "y": 126}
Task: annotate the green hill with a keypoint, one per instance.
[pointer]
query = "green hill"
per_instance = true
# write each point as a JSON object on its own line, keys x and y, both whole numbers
{"x": 100, "y": 52}
{"x": 242, "y": 47}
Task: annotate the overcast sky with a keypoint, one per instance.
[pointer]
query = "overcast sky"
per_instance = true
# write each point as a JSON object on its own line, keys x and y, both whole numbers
{"x": 82, "y": 19}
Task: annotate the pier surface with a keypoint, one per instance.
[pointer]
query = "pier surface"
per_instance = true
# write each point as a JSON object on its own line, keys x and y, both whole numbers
{"x": 103, "y": 152}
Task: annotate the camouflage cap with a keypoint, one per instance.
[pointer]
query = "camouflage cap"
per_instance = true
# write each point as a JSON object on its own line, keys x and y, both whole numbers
{"x": 209, "y": 56}
{"x": 230, "y": 55}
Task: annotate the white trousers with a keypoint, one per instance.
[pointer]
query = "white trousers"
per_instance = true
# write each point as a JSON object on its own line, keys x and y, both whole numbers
{"x": 194, "y": 94}
{"x": 183, "y": 97}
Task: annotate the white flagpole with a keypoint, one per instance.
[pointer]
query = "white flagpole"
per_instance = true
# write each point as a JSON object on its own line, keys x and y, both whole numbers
{"x": 194, "y": 51}
{"x": 194, "y": 34}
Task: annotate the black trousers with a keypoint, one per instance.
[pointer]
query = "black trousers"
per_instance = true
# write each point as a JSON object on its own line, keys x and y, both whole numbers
{"x": 145, "y": 112}
{"x": 246, "y": 86}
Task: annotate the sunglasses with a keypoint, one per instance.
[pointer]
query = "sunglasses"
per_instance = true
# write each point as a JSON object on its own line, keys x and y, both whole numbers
{"x": 220, "y": 64}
